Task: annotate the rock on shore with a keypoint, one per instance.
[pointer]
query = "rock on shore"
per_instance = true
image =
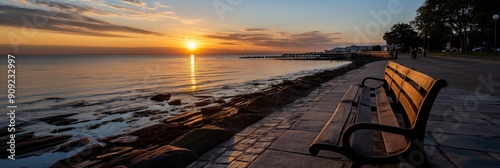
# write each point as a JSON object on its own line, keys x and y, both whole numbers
{"x": 166, "y": 156}
{"x": 200, "y": 140}
{"x": 161, "y": 97}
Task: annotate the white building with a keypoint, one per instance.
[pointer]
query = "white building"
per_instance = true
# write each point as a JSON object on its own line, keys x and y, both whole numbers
{"x": 349, "y": 49}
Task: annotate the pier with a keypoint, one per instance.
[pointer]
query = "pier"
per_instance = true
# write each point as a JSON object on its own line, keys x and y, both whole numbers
{"x": 303, "y": 56}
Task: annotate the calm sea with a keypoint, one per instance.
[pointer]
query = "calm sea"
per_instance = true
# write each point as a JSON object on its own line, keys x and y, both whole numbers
{"x": 95, "y": 86}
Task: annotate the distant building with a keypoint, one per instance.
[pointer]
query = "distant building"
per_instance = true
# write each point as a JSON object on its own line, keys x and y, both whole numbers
{"x": 350, "y": 49}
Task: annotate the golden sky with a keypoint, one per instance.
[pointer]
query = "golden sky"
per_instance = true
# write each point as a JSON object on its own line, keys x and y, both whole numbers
{"x": 216, "y": 26}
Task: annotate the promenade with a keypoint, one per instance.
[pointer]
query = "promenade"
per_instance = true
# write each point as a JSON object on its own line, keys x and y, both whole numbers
{"x": 463, "y": 128}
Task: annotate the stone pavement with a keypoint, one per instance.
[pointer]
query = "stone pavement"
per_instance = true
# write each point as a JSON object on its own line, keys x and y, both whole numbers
{"x": 463, "y": 128}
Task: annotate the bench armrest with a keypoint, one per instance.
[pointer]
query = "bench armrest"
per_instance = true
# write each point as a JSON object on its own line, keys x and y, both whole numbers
{"x": 371, "y": 126}
{"x": 372, "y": 78}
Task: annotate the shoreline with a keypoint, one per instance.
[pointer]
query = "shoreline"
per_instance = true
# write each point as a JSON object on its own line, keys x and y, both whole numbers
{"x": 228, "y": 118}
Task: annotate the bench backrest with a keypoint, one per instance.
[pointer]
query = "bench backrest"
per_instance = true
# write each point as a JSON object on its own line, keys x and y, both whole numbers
{"x": 414, "y": 91}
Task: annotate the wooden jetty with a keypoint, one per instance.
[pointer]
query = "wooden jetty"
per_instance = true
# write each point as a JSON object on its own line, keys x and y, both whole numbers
{"x": 303, "y": 56}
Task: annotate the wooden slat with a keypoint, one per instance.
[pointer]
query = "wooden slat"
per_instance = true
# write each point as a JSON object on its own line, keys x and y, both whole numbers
{"x": 414, "y": 94}
{"x": 403, "y": 70}
{"x": 408, "y": 108}
{"x": 393, "y": 65}
{"x": 350, "y": 95}
{"x": 388, "y": 80}
{"x": 396, "y": 86}
{"x": 393, "y": 142}
{"x": 424, "y": 81}
{"x": 362, "y": 140}
{"x": 332, "y": 131}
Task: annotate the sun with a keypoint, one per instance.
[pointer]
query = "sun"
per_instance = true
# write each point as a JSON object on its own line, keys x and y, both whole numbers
{"x": 191, "y": 45}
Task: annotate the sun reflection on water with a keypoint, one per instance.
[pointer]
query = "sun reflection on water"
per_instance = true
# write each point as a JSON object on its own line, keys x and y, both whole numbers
{"x": 193, "y": 74}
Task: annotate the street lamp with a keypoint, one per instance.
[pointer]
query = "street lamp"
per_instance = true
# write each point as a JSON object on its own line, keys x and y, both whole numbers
{"x": 423, "y": 46}
{"x": 495, "y": 17}
{"x": 429, "y": 43}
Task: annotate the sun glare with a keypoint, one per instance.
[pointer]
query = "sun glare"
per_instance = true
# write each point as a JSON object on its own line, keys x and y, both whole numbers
{"x": 191, "y": 45}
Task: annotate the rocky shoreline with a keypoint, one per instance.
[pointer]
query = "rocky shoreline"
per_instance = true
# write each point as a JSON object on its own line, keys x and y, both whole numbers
{"x": 178, "y": 141}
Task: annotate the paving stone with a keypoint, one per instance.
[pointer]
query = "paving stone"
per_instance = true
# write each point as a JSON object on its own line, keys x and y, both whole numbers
{"x": 308, "y": 125}
{"x": 213, "y": 153}
{"x": 283, "y": 126}
{"x": 494, "y": 116}
{"x": 197, "y": 164}
{"x": 215, "y": 165}
{"x": 468, "y": 142}
{"x": 493, "y": 128}
{"x": 238, "y": 164}
{"x": 232, "y": 153}
{"x": 225, "y": 159}
{"x": 276, "y": 159}
{"x": 473, "y": 115}
{"x": 298, "y": 142}
{"x": 325, "y": 108}
{"x": 316, "y": 116}
{"x": 240, "y": 147}
{"x": 247, "y": 157}
{"x": 458, "y": 128}
{"x": 248, "y": 141}
{"x": 429, "y": 140}
{"x": 266, "y": 139}
{"x": 271, "y": 124}
{"x": 294, "y": 141}
{"x": 479, "y": 121}
{"x": 467, "y": 158}
{"x": 246, "y": 131}
{"x": 274, "y": 134}
{"x": 262, "y": 144}
{"x": 436, "y": 158}
{"x": 433, "y": 117}
{"x": 255, "y": 150}
{"x": 231, "y": 141}
{"x": 495, "y": 121}
{"x": 495, "y": 155}
{"x": 260, "y": 132}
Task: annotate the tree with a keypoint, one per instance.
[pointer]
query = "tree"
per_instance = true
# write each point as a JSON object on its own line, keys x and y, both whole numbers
{"x": 402, "y": 34}
{"x": 376, "y": 48}
{"x": 462, "y": 18}
{"x": 482, "y": 16}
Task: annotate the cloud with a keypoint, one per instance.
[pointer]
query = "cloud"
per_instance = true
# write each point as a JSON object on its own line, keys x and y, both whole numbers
{"x": 141, "y": 11}
{"x": 66, "y": 22}
{"x": 228, "y": 43}
{"x": 134, "y": 2}
{"x": 274, "y": 38}
{"x": 255, "y": 29}
{"x": 160, "y": 5}
{"x": 61, "y": 6}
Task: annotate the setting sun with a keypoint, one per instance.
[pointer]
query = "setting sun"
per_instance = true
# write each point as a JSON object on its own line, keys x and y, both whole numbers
{"x": 191, "y": 45}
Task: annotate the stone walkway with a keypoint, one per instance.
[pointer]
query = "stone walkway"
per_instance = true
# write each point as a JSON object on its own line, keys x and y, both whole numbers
{"x": 463, "y": 128}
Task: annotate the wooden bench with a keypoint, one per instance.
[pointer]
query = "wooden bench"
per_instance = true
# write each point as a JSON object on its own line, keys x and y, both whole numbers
{"x": 385, "y": 123}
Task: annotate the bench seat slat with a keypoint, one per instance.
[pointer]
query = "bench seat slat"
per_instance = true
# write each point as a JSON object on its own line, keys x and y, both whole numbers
{"x": 332, "y": 131}
{"x": 393, "y": 142}
{"x": 362, "y": 140}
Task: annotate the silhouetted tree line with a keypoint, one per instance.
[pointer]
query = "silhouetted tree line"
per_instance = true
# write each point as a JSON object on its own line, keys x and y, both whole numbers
{"x": 468, "y": 22}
